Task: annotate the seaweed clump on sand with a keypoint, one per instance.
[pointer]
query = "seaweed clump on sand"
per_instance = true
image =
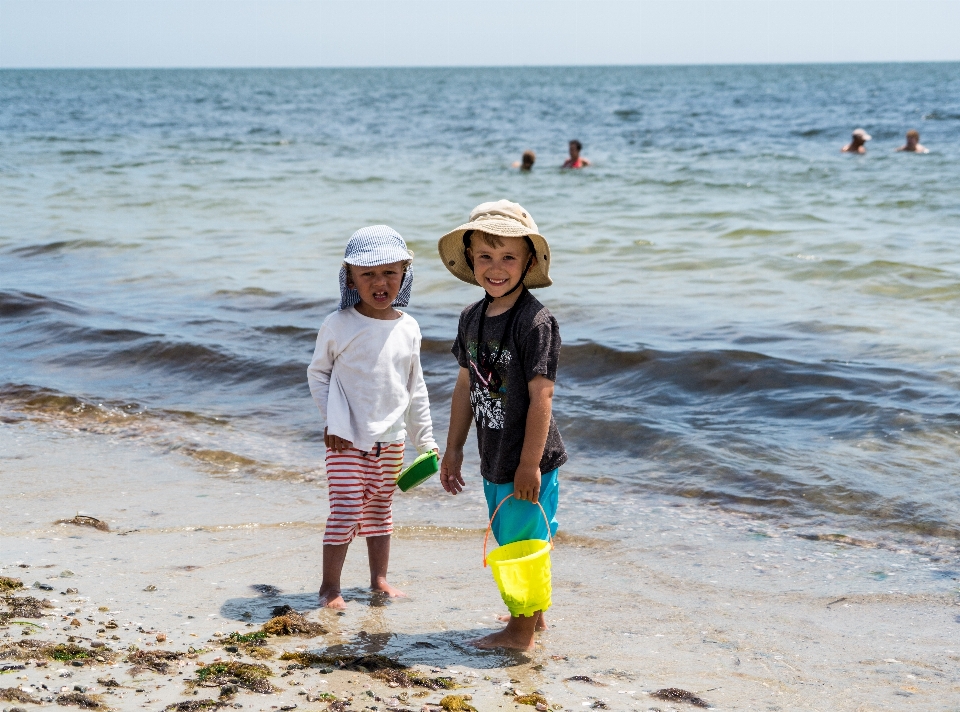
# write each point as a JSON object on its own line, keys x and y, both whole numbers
{"x": 675, "y": 694}
{"x": 253, "y": 644}
{"x": 412, "y": 678}
{"x": 250, "y": 676}
{"x": 293, "y": 623}
{"x": 62, "y": 652}
{"x": 391, "y": 671}
{"x": 195, "y": 706}
{"x": 10, "y": 584}
{"x": 155, "y": 660}
{"x": 23, "y": 650}
{"x": 25, "y": 607}
{"x": 80, "y": 700}
{"x": 586, "y": 679}
{"x": 532, "y": 699}
{"x": 254, "y": 638}
{"x": 15, "y": 694}
{"x": 82, "y": 520}
{"x": 68, "y": 652}
{"x": 457, "y": 703}
{"x": 353, "y": 663}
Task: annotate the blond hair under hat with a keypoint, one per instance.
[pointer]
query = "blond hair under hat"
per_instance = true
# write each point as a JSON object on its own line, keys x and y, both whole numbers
{"x": 503, "y": 219}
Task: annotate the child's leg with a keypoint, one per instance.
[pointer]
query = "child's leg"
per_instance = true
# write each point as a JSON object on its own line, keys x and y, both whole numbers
{"x": 378, "y": 550}
{"x": 333, "y": 557}
{"x": 345, "y": 490}
{"x": 539, "y": 627}
{"x": 376, "y": 520}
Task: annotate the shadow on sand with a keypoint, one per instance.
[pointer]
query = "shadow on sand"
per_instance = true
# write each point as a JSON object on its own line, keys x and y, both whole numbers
{"x": 440, "y": 650}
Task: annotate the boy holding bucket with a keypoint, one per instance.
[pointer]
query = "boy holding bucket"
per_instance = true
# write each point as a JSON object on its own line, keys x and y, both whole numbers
{"x": 508, "y": 346}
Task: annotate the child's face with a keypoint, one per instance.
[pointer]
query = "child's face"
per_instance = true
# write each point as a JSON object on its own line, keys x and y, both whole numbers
{"x": 498, "y": 269}
{"x": 378, "y": 286}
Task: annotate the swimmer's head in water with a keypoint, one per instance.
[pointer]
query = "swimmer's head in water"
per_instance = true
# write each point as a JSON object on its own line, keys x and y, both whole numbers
{"x": 529, "y": 158}
{"x": 575, "y": 147}
{"x": 861, "y": 135}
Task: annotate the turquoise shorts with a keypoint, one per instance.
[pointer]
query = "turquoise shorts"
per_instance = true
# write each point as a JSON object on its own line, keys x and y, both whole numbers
{"x": 518, "y": 519}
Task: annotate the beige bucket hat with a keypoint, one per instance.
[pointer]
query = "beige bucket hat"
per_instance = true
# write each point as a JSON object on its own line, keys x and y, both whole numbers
{"x": 501, "y": 218}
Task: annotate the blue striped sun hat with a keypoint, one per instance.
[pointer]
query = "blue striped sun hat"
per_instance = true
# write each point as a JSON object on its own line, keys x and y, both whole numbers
{"x": 370, "y": 247}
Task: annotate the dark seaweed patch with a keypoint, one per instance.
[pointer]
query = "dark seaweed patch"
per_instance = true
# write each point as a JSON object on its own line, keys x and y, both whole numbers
{"x": 675, "y": 694}
{"x": 293, "y": 624}
{"x": 24, "y": 607}
{"x": 14, "y": 694}
{"x": 10, "y": 584}
{"x": 195, "y": 706}
{"x": 457, "y": 703}
{"x": 251, "y": 676}
{"x": 155, "y": 660}
{"x": 82, "y": 520}
{"x": 80, "y": 700}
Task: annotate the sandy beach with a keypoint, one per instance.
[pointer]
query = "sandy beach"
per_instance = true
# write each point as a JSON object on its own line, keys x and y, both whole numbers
{"x": 741, "y": 613}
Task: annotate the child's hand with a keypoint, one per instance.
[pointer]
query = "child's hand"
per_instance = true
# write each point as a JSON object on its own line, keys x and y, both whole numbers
{"x": 450, "y": 476}
{"x": 526, "y": 483}
{"x": 335, "y": 442}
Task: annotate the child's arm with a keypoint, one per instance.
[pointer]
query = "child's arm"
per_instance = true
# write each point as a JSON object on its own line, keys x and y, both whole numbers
{"x": 321, "y": 369}
{"x": 418, "y": 421}
{"x": 318, "y": 376}
{"x": 526, "y": 483}
{"x": 461, "y": 415}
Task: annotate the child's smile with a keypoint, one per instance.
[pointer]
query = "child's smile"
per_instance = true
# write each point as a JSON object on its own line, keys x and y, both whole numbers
{"x": 499, "y": 269}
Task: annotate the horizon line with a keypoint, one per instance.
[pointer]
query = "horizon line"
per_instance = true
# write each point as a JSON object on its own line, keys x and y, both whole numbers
{"x": 476, "y": 66}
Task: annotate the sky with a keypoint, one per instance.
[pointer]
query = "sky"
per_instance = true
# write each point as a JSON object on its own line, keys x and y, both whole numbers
{"x": 359, "y": 33}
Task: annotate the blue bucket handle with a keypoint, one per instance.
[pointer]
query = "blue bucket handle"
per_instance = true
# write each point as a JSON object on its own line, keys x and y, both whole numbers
{"x": 490, "y": 526}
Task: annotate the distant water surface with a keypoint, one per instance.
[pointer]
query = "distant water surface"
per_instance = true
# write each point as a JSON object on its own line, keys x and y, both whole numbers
{"x": 750, "y": 318}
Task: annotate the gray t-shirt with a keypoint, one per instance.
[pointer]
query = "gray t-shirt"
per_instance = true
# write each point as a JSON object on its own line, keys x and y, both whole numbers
{"x": 500, "y": 404}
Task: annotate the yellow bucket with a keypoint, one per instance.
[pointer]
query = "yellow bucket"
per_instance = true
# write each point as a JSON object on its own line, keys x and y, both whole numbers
{"x": 521, "y": 570}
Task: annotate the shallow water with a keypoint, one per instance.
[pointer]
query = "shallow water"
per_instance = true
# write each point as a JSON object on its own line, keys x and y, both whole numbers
{"x": 750, "y": 318}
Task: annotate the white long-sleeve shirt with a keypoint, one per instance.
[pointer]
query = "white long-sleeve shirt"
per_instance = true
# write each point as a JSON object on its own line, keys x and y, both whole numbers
{"x": 367, "y": 381}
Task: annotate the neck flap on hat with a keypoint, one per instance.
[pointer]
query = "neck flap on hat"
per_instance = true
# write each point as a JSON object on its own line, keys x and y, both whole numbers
{"x": 351, "y": 297}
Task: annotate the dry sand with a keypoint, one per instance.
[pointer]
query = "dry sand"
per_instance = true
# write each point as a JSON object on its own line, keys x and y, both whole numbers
{"x": 744, "y": 614}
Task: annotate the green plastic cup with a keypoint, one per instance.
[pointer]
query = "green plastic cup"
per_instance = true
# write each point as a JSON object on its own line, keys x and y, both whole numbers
{"x": 419, "y": 471}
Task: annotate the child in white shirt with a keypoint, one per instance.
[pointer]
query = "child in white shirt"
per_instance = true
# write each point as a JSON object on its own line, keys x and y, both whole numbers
{"x": 367, "y": 381}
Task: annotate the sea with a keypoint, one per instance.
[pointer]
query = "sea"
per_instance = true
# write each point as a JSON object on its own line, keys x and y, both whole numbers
{"x": 752, "y": 321}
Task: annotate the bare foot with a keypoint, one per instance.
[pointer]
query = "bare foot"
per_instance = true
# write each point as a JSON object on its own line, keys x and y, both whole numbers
{"x": 518, "y": 635}
{"x": 381, "y": 586}
{"x": 331, "y": 598}
{"x": 503, "y": 639}
{"x": 541, "y": 621}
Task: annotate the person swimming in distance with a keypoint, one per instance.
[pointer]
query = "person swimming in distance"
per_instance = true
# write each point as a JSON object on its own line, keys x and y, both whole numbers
{"x": 913, "y": 143}
{"x": 575, "y": 161}
{"x": 526, "y": 161}
{"x": 857, "y": 141}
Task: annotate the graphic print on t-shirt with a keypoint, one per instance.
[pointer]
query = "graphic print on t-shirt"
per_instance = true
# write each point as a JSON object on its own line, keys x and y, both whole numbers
{"x": 488, "y": 407}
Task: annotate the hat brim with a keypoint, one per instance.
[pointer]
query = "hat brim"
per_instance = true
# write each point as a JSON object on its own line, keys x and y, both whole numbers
{"x": 376, "y": 258}
{"x": 451, "y": 251}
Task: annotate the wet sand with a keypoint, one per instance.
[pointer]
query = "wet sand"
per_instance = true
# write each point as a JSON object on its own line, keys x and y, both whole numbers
{"x": 745, "y": 614}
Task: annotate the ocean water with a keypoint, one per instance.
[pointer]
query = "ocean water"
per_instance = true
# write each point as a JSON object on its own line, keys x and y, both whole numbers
{"x": 751, "y": 319}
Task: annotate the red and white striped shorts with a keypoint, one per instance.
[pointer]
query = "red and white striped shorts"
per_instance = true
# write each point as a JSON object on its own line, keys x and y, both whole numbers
{"x": 360, "y": 486}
